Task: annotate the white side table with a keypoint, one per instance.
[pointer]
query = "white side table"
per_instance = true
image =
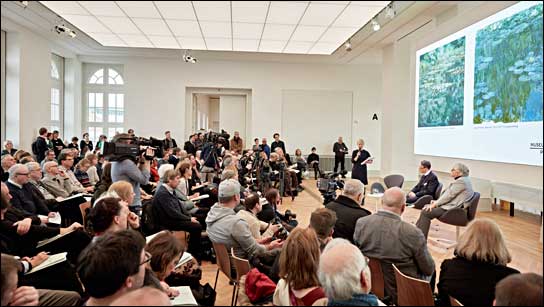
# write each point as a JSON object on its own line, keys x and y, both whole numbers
{"x": 377, "y": 197}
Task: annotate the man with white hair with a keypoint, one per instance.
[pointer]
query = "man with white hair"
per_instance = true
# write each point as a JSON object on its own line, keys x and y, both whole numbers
{"x": 7, "y": 162}
{"x": 387, "y": 237}
{"x": 456, "y": 195}
{"x": 23, "y": 197}
{"x": 57, "y": 184}
{"x": 345, "y": 276}
{"x": 35, "y": 178}
{"x": 8, "y": 148}
{"x": 348, "y": 209}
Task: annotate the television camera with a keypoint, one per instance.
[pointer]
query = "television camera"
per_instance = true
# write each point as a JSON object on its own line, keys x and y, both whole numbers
{"x": 328, "y": 184}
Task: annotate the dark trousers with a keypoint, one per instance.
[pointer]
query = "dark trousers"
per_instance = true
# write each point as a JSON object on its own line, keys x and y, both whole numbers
{"x": 194, "y": 230}
{"x": 424, "y": 221}
{"x": 339, "y": 160}
{"x": 411, "y": 200}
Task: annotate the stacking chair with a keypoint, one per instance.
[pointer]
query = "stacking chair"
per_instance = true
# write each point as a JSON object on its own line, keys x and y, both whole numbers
{"x": 224, "y": 265}
{"x": 426, "y": 199}
{"x": 378, "y": 287}
{"x": 242, "y": 268}
{"x": 412, "y": 291}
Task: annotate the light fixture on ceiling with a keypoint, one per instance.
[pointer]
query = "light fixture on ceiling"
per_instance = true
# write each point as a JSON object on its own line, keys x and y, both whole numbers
{"x": 188, "y": 58}
{"x": 348, "y": 46}
{"x": 22, "y": 4}
{"x": 390, "y": 12}
{"x": 375, "y": 25}
{"x": 61, "y": 29}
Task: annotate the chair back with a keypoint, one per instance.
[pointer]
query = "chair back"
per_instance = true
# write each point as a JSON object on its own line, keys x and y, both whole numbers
{"x": 454, "y": 302}
{"x": 241, "y": 265}
{"x": 393, "y": 181}
{"x": 412, "y": 291}
{"x": 223, "y": 259}
{"x": 438, "y": 191}
{"x": 376, "y": 275}
{"x": 473, "y": 206}
{"x": 376, "y": 187}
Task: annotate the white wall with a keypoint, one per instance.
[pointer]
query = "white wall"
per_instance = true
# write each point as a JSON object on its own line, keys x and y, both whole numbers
{"x": 232, "y": 115}
{"x": 398, "y": 104}
{"x": 203, "y": 106}
{"x": 214, "y": 114}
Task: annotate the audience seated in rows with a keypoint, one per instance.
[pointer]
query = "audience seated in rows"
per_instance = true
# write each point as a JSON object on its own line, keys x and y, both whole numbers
{"x": 427, "y": 185}
{"x": 480, "y": 262}
{"x": 252, "y": 206}
{"x": 35, "y": 178}
{"x": 55, "y": 181}
{"x": 348, "y": 209}
{"x": 49, "y": 156}
{"x": 7, "y": 162}
{"x": 81, "y": 173}
{"x": 299, "y": 262}
{"x": 385, "y": 236}
{"x": 65, "y": 168}
{"x": 25, "y": 196}
{"x": 322, "y": 221}
{"x": 8, "y": 148}
{"x": 455, "y": 195}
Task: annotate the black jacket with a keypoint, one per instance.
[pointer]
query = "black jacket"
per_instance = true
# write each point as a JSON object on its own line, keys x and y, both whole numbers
{"x": 279, "y": 144}
{"x": 472, "y": 283}
{"x": 82, "y": 144}
{"x": 359, "y": 171}
{"x": 347, "y": 213}
{"x": 60, "y": 143}
{"x": 173, "y": 160}
{"x": 337, "y": 147}
{"x": 168, "y": 210}
{"x": 27, "y": 200}
{"x": 41, "y": 147}
{"x": 168, "y": 145}
{"x": 426, "y": 186}
{"x": 190, "y": 148}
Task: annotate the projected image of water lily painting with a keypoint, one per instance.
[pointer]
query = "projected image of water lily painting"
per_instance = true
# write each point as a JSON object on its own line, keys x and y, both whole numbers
{"x": 508, "y": 71}
{"x": 441, "y": 85}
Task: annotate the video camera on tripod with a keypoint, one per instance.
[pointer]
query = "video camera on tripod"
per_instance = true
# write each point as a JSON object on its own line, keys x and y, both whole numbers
{"x": 328, "y": 184}
{"x": 127, "y": 146}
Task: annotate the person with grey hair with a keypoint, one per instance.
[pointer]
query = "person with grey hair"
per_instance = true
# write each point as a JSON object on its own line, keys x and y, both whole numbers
{"x": 348, "y": 209}
{"x": 456, "y": 195}
{"x": 8, "y": 148}
{"x": 229, "y": 174}
{"x": 56, "y": 183}
{"x": 39, "y": 189}
{"x": 345, "y": 276}
{"x": 7, "y": 162}
{"x": 24, "y": 197}
{"x": 49, "y": 156}
{"x": 387, "y": 237}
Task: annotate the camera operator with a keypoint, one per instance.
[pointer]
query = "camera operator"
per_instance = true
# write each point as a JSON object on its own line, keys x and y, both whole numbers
{"x": 211, "y": 153}
{"x": 135, "y": 171}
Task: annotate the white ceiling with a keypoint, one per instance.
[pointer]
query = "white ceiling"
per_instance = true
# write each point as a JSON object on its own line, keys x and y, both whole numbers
{"x": 302, "y": 27}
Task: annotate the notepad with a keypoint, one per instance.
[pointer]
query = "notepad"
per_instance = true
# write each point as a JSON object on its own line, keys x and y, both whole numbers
{"x": 73, "y": 197}
{"x": 186, "y": 257}
{"x": 367, "y": 160}
{"x": 185, "y": 297}
{"x": 47, "y": 241}
{"x": 51, "y": 261}
{"x": 151, "y": 237}
{"x": 54, "y": 220}
{"x": 200, "y": 186}
{"x": 200, "y": 197}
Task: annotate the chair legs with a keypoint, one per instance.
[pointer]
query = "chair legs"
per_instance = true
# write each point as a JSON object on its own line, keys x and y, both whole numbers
{"x": 450, "y": 243}
{"x": 234, "y": 294}
{"x": 216, "y": 277}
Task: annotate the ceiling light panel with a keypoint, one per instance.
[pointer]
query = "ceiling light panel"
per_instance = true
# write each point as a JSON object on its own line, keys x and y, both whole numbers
{"x": 122, "y": 25}
{"x": 323, "y": 48}
{"x": 216, "y": 29}
{"x": 108, "y": 39}
{"x": 338, "y": 35}
{"x": 139, "y": 41}
{"x": 65, "y": 7}
{"x": 87, "y": 24}
{"x": 308, "y": 33}
{"x": 152, "y": 26}
{"x": 356, "y": 15}
{"x": 185, "y": 28}
{"x": 321, "y": 14}
{"x": 102, "y": 8}
{"x": 176, "y": 10}
{"x": 272, "y": 46}
{"x": 212, "y": 10}
{"x": 219, "y": 43}
{"x": 139, "y": 9}
{"x": 298, "y": 47}
{"x": 168, "y": 42}
{"x": 195, "y": 43}
{"x": 250, "y": 45}
{"x": 247, "y": 30}
{"x": 277, "y": 32}
{"x": 288, "y": 13}
{"x": 249, "y": 11}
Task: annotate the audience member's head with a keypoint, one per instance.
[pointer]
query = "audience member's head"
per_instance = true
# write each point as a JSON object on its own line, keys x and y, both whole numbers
{"x": 322, "y": 221}
{"x": 314, "y": 149}
{"x": 459, "y": 170}
{"x": 299, "y": 259}
{"x": 124, "y": 190}
{"x": 75, "y": 139}
{"x": 298, "y": 152}
{"x": 86, "y": 136}
{"x": 394, "y": 200}
{"x": 163, "y": 168}
{"x": 51, "y": 168}
{"x": 50, "y": 155}
{"x": 264, "y": 141}
{"x": 256, "y": 140}
{"x": 167, "y": 134}
{"x": 43, "y": 131}
{"x": 252, "y": 203}
{"x": 424, "y": 166}
{"x": 176, "y": 151}
{"x": 8, "y": 145}
{"x": 274, "y": 157}
{"x": 236, "y": 134}
{"x": 483, "y": 242}
{"x": 273, "y": 196}
{"x": 146, "y": 296}
{"x": 20, "y": 154}
{"x": 165, "y": 250}
{"x": 112, "y": 265}
{"x": 519, "y": 290}
{"x": 184, "y": 169}
{"x": 66, "y": 160}
{"x": 83, "y": 165}
{"x": 354, "y": 189}
{"x": 340, "y": 140}
{"x": 108, "y": 215}
{"x": 229, "y": 174}
{"x": 93, "y": 158}
{"x": 19, "y": 174}
{"x": 276, "y": 136}
{"x": 55, "y": 134}
{"x": 35, "y": 171}
{"x": 130, "y": 132}
{"x": 26, "y": 159}
{"x": 7, "y": 162}
{"x": 9, "y": 267}
{"x": 171, "y": 178}
{"x": 343, "y": 270}
{"x": 229, "y": 193}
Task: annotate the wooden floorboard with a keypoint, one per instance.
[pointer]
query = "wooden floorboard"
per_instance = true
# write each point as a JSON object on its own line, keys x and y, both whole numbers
{"x": 521, "y": 232}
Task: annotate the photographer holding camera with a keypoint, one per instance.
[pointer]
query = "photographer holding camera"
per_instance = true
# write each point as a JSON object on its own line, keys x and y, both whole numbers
{"x": 134, "y": 170}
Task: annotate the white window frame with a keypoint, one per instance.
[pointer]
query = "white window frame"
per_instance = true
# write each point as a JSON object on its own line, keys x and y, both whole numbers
{"x": 105, "y": 89}
{"x": 58, "y": 84}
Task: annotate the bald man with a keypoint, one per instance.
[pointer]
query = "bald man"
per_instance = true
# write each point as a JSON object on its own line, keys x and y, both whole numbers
{"x": 386, "y": 236}
{"x": 345, "y": 276}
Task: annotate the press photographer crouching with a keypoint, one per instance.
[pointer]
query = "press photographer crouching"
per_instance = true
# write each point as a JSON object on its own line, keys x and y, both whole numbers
{"x": 130, "y": 161}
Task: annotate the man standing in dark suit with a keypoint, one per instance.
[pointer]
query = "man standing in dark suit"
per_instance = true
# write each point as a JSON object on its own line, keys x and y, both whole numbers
{"x": 41, "y": 145}
{"x": 427, "y": 183}
{"x": 169, "y": 142}
{"x": 189, "y": 146}
{"x": 277, "y": 143}
{"x": 340, "y": 149}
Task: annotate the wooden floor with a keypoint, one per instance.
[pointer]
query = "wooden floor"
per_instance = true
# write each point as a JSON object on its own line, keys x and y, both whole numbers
{"x": 522, "y": 234}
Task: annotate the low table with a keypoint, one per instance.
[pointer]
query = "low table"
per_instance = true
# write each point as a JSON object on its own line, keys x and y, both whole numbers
{"x": 378, "y": 198}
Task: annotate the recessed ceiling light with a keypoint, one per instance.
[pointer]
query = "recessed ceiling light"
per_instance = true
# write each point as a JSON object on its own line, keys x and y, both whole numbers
{"x": 375, "y": 25}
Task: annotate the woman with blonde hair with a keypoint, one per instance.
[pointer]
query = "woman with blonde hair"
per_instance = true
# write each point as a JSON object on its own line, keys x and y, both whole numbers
{"x": 479, "y": 264}
{"x": 124, "y": 190}
{"x": 299, "y": 262}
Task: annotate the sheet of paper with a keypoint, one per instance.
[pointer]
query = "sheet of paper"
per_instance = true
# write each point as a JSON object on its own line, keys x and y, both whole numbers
{"x": 52, "y": 260}
{"x": 185, "y": 297}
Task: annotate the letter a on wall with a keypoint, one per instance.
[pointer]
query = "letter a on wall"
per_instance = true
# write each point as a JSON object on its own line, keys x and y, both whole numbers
{"x": 375, "y": 117}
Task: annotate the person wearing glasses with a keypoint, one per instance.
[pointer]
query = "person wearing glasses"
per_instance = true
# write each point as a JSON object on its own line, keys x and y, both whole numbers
{"x": 387, "y": 237}
{"x": 111, "y": 214}
{"x": 66, "y": 162}
{"x": 345, "y": 276}
{"x": 113, "y": 265}
{"x": 21, "y": 190}
{"x": 454, "y": 196}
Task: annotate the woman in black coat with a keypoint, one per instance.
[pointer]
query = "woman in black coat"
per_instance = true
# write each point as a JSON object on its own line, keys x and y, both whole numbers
{"x": 357, "y": 157}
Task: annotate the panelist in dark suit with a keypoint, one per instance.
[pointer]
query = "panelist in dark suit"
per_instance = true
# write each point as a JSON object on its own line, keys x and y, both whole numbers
{"x": 427, "y": 183}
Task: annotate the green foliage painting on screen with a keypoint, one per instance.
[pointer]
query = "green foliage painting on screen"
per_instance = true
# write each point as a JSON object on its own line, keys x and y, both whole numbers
{"x": 441, "y": 85}
{"x": 508, "y": 69}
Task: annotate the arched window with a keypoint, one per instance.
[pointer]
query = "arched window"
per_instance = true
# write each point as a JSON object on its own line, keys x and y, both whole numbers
{"x": 57, "y": 92}
{"x": 54, "y": 70}
{"x": 105, "y": 100}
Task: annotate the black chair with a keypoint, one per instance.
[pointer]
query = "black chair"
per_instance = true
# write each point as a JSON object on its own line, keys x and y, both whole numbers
{"x": 393, "y": 181}
{"x": 426, "y": 199}
{"x": 376, "y": 187}
{"x": 459, "y": 217}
